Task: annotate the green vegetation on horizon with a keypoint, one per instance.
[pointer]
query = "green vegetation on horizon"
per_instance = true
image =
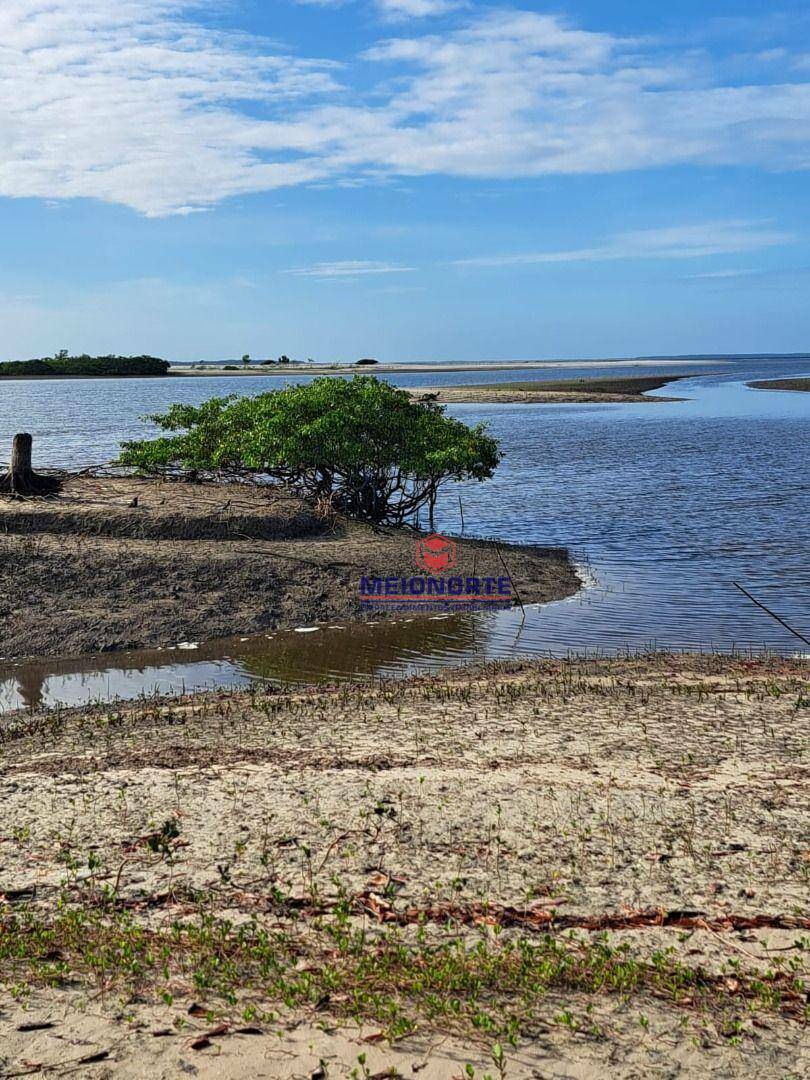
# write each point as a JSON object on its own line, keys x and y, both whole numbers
{"x": 360, "y": 446}
{"x": 62, "y": 365}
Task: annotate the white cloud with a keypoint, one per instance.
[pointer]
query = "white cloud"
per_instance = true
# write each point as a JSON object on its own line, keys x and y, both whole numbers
{"x": 399, "y": 9}
{"x": 722, "y": 275}
{"x": 415, "y": 9}
{"x": 132, "y": 102}
{"x": 673, "y": 242}
{"x": 125, "y": 101}
{"x": 349, "y": 269}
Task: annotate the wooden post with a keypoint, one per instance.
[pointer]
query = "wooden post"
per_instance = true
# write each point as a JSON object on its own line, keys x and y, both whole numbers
{"x": 22, "y": 449}
{"x": 21, "y": 481}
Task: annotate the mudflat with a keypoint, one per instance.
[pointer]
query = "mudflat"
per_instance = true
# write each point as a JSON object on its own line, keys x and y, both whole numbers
{"x": 632, "y": 388}
{"x": 524, "y": 870}
{"x": 781, "y": 384}
{"x": 118, "y": 563}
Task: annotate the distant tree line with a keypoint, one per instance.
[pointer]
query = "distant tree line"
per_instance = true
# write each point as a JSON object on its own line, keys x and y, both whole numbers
{"x": 247, "y": 360}
{"x": 63, "y": 364}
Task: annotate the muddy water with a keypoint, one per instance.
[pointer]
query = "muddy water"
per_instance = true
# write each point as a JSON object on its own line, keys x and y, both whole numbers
{"x": 663, "y": 506}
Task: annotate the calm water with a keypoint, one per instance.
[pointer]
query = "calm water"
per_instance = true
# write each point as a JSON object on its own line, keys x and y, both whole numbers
{"x": 78, "y": 422}
{"x": 663, "y": 506}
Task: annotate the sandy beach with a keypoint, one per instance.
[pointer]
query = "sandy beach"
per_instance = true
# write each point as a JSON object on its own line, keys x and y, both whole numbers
{"x": 404, "y": 562}
{"x": 382, "y": 370}
{"x": 540, "y": 869}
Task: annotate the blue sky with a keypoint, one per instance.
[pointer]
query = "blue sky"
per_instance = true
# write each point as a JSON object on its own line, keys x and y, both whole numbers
{"x": 406, "y": 179}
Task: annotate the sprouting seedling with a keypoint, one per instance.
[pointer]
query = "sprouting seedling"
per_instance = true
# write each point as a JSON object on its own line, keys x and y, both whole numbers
{"x": 499, "y": 1058}
{"x": 160, "y": 842}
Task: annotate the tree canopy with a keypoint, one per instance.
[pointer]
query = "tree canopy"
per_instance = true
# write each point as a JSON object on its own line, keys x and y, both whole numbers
{"x": 362, "y": 444}
{"x": 62, "y": 364}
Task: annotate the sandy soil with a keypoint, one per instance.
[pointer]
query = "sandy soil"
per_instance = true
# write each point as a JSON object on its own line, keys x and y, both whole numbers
{"x": 662, "y": 800}
{"x": 633, "y": 388}
{"x": 89, "y": 572}
{"x": 781, "y": 384}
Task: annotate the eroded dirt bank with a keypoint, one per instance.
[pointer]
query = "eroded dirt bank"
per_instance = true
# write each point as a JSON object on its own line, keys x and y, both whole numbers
{"x": 387, "y": 880}
{"x": 115, "y": 564}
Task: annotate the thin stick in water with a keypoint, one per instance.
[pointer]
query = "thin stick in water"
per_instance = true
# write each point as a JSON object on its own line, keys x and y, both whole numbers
{"x": 773, "y": 614}
{"x": 511, "y": 582}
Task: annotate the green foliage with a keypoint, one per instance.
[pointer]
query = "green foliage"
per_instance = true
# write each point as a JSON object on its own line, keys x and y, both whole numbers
{"x": 26, "y": 367}
{"x": 483, "y": 988}
{"x": 62, "y": 364}
{"x": 364, "y": 445}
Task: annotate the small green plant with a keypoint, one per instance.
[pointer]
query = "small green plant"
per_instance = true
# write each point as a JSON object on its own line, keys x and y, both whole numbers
{"x": 361, "y": 1070}
{"x": 499, "y": 1058}
{"x": 162, "y": 841}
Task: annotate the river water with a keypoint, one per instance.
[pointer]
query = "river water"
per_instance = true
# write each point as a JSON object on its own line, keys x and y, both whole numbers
{"x": 662, "y": 506}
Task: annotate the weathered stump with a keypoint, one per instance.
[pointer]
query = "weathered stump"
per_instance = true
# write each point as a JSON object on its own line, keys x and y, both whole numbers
{"x": 21, "y": 481}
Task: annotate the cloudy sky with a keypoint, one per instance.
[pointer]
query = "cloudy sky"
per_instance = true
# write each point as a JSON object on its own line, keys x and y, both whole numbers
{"x": 408, "y": 179}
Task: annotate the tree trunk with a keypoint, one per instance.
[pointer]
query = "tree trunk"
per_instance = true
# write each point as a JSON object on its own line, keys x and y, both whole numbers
{"x": 21, "y": 481}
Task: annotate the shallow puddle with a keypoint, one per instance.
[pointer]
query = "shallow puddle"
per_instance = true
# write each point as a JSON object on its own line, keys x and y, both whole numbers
{"x": 377, "y": 650}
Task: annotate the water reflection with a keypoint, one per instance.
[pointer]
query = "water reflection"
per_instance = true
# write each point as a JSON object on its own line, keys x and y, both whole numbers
{"x": 328, "y": 654}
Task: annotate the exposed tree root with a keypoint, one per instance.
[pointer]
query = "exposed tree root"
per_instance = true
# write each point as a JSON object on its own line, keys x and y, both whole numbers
{"x": 28, "y": 485}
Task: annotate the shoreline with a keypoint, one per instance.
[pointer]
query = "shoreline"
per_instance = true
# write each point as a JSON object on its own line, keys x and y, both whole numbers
{"x": 181, "y": 371}
{"x": 629, "y": 388}
{"x": 528, "y": 855}
{"x": 124, "y": 564}
{"x": 418, "y": 369}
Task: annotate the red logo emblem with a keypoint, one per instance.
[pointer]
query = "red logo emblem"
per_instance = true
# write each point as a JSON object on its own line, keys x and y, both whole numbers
{"x": 435, "y": 553}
